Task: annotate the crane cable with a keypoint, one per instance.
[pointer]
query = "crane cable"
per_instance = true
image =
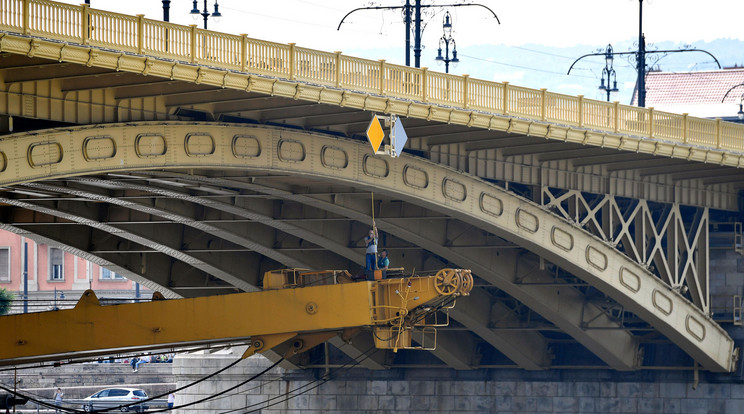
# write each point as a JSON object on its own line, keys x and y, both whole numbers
{"x": 225, "y": 391}
{"x": 403, "y": 312}
{"x": 289, "y": 394}
{"x": 69, "y": 410}
{"x": 375, "y": 239}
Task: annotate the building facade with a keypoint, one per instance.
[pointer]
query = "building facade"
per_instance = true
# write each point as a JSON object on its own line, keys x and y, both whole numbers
{"x": 55, "y": 278}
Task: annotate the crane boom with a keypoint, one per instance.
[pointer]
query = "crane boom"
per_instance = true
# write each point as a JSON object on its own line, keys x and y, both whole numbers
{"x": 288, "y": 309}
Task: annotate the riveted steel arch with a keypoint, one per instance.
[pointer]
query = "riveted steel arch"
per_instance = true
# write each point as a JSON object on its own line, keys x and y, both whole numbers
{"x": 143, "y": 146}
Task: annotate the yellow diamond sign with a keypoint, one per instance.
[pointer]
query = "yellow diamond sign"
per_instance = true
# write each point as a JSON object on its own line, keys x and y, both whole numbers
{"x": 375, "y": 134}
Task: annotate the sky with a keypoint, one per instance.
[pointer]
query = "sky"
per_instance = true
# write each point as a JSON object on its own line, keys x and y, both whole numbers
{"x": 534, "y": 44}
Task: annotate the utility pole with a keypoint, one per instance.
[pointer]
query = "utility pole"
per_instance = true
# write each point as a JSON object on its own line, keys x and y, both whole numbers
{"x": 640, "y": 57}
{"x": 407, "y": 18}
{"x": 417, "y": 35}
{"x": 25, "y": 276}
{"x": 417, "y": 6}
{"x": 166, "y": 10}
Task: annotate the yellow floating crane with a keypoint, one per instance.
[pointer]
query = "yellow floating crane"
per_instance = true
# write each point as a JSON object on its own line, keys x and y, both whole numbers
{"x": 299, "y": 307}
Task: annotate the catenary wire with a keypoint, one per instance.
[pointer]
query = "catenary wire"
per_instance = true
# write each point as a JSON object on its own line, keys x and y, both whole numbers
{"x": 367, "y": 354}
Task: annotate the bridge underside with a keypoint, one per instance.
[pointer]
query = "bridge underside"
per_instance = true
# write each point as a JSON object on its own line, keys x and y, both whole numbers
{"x": 246, "y": 184}
{"x": 203, "y": 209}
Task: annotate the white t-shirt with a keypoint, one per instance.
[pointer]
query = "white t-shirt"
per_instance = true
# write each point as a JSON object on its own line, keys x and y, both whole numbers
{"x": 371, "y": 244}
{"x": 171, "y": 398}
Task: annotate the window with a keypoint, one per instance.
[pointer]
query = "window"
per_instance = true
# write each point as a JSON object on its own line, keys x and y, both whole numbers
{"x": 109, "y": 275}
{"x": 4, "y": 264}
{"x": 118, "y": 393}
{"x": 56, "y": 264}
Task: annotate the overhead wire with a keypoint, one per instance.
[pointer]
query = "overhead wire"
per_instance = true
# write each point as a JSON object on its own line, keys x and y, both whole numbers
{"x": 288, "y": 395}
{"x": 138, "y": 402}
{"x": 39, "y": 401}
{"x": 266, "y": 382}
{"x": 128, "y": 355}
{"x": 542, "y": 52}
{"x": 209, "y": 397}
{"x": 523, "y": 67}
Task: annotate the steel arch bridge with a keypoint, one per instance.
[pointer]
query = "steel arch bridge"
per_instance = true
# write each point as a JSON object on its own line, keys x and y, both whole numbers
{"x": 108, "y": 195}
{"x": 266, "y": 172}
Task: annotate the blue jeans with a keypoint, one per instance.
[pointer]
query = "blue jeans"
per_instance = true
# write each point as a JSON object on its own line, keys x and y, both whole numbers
{"x": 370, "y": 265}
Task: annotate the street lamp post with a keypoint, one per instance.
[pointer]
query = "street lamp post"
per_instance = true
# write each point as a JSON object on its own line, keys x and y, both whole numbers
{"x": 640, "y": 58}
{"x": 195, "y": 12}
{"x": 608, "y": 74}
{"x": 415, "y": 10}
{"x": 739, "y": 114}
{"x": 445, "y": 41}
{"x": 166, "y": 10}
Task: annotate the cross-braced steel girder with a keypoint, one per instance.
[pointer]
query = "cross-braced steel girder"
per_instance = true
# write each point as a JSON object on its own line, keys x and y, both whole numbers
{"x": 672, "y": 244}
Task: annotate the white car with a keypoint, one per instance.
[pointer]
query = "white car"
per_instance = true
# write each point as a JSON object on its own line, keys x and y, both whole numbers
{"x": 116, "y": 398}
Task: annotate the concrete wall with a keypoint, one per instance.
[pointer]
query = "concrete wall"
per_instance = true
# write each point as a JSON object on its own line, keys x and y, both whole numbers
{"x": 726, "y": 280}
{"x": 410, "y": 391}
{"x": 418, "y": 391}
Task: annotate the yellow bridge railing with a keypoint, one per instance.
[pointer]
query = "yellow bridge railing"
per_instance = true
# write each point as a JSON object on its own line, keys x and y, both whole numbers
{"x": 99, "y": 28}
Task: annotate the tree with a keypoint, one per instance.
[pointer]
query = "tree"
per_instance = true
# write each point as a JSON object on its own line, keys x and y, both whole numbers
{"x": 6, "y": 298}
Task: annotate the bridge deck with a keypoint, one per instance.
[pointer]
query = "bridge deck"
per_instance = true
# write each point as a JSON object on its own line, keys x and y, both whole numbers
{"x": 229, "y": 60}
{"x": 203, "y": 208}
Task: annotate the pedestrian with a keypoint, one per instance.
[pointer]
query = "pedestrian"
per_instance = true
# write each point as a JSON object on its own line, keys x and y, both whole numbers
{"x": 133, "y": 362}
{"x": 171, "y": 400}
{"x": 144, "y": 360}
{"x": 58, "y": 399}
{"x": 371, "y": 256}
{"x": 383, "y": 262}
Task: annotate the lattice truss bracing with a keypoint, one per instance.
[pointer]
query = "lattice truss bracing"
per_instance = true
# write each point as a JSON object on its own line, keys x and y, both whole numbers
{"x": 669, "y": 239}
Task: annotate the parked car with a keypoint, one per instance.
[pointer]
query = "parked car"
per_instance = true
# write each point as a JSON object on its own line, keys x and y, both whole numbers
{"x": 115, "y": 398}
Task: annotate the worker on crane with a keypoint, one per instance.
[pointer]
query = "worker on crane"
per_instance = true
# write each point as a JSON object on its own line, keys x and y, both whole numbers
{"x": 371, "y": 254}
{"x": 383, "y": 263}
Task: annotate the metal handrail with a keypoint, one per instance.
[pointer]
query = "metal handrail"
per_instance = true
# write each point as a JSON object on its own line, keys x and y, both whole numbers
{"x": 99, "y": 28}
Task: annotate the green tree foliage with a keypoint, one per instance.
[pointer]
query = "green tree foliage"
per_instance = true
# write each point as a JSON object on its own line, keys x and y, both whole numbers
{"x": 6, "y": 298}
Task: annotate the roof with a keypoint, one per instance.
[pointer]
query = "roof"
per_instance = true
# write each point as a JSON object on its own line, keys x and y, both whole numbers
{"x": 690, "y": 90}
{"x": 696, "y": 93}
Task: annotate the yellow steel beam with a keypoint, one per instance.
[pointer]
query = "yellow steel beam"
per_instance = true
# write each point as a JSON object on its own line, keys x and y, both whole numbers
{"x": 268, "y": 318}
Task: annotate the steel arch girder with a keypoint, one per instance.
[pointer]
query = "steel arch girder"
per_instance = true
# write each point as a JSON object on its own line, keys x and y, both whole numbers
{"x": 157, "y": 271}
{"x": 561, "y": 305}
{"x": 450, "y": 350}
{"x": 178, "y": 215}
{"x": 452, "y": 354}
{"x": 241, "y": 211}
{"x": 529, "y": 350}
{"x": 149, "y": 240}
{"x": 440, "y": 188}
